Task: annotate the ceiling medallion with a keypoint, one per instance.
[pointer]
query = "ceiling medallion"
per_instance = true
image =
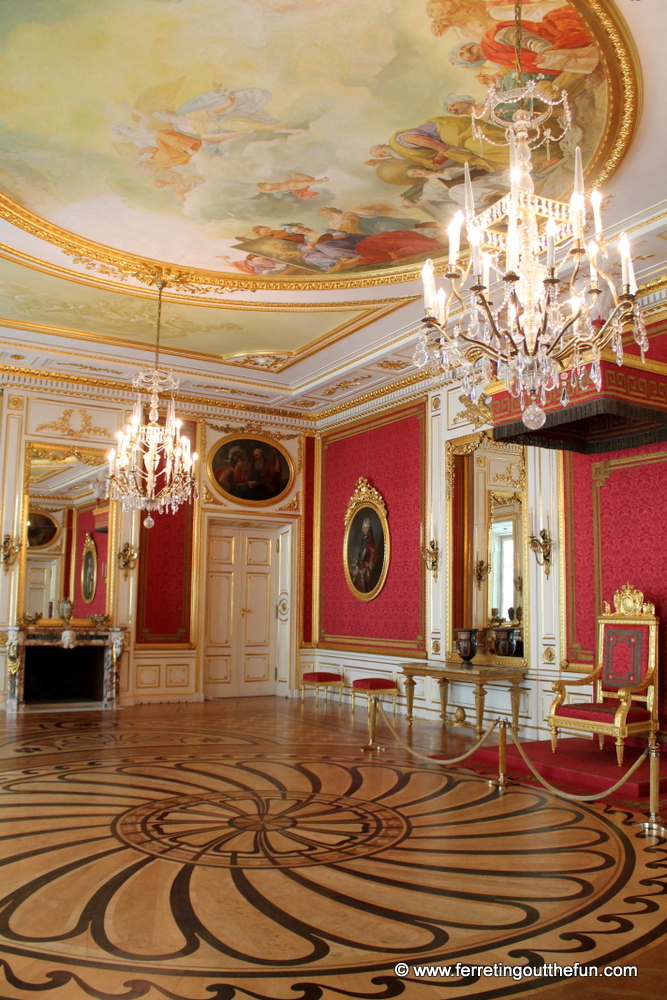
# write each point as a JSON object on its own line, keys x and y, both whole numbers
{"x": 540, "y": 327}
{"x": 153, "y": 468}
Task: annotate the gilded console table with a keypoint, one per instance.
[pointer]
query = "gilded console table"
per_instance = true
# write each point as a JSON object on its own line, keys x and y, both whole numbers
{"x": 478, "y": 676}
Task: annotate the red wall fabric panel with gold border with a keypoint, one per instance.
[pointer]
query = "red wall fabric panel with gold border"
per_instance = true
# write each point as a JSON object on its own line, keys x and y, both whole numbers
{"x": 615, "y": 532}
{"x": 165, "y": 574}
{"x": 389, "y": 453}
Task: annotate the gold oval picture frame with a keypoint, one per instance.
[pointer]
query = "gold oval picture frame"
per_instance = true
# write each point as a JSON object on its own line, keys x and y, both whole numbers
{"x": 366, "y": 545}
{"x": 250, "y": 470}
{"x": 89, "y": 570}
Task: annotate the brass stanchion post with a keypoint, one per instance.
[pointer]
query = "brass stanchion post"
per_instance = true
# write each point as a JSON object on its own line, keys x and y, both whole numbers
{"x": 501, "y": 781}
{"x": 655, "y": 822}
{"x": 372, "y": 724}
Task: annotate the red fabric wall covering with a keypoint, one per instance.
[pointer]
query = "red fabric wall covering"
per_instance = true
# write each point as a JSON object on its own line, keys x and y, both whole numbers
{"x": 389, "y": 452}
{"x": 85, "y": 523}
{"x": 308, "y": 528}
{"x": 165, "y": 578}
{"x": 616, "y": 532}
{"x": 165, "y": 573}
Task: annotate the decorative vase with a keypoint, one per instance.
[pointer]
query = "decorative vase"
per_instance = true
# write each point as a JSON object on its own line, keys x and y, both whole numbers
{"x": 64, "y": 609}
{"x": 466, "y": 645}
{"x": 505, "y": 642}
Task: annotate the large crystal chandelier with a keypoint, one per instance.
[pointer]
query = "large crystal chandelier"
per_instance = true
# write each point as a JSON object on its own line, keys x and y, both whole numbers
{"x": 153, "y": 468}
{"x": 545, "y": 329}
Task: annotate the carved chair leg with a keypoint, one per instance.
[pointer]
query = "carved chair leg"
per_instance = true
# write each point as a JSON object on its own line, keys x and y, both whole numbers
{"x": 353, "y": 696}
{"x": 619, "y": 751}
{"x": 601, "y": 740}
{"x": 303, "y": 692}
{"x": 554, "y": 739}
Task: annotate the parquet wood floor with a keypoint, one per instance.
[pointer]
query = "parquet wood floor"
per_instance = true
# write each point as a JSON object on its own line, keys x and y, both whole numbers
{"x": 248, "y": 849}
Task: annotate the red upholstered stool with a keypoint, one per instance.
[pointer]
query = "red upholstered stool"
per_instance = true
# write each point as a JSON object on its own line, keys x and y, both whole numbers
{"x": 318, "y": 679}
{"x": 375, "y": 685}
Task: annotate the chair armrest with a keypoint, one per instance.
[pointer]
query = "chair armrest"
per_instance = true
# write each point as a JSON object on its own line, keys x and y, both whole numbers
{"x": 560, "y": 686}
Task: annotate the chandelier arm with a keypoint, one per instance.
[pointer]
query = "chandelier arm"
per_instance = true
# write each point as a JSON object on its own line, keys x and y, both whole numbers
{"x": 554, "y": 344}
{"x": 612, "y": 288}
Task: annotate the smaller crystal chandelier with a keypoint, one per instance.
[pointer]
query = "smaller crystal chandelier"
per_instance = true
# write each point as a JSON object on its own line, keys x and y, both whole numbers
{"x": 153, "y": 468}
{"x": 542, "y": 332}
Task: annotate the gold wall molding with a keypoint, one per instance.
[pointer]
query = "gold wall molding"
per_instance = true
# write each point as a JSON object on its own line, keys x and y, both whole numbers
{"x": 294, "y": 504}
{"x": 253, "y": 427}
{"x": 478, "y": 414}
{"x": 63, "y": 425}
{"x": 15, "y": 402}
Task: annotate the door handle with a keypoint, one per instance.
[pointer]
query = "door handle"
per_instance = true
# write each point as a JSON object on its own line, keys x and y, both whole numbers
{"x": 245, "y": 611}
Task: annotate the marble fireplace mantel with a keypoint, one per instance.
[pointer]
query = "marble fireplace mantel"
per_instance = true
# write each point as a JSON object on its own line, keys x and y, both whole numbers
{"x": 69, "y": 636}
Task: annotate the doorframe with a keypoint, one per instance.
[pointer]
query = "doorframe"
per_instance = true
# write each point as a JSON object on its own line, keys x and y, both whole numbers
{"x": 286, "y": 686}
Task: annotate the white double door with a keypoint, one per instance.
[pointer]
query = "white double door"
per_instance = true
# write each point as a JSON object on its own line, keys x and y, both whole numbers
{"x": 240, "y": 654}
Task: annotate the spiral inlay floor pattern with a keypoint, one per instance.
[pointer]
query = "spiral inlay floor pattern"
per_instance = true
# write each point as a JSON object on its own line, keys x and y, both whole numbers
{"x": 249, "y": 849}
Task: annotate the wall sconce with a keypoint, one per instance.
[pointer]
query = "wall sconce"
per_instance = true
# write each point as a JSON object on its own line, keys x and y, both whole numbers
{"x": 482, "y": 570}
{"x": 127, "y": 558}
{"x": 431, "y": 556}
{"x": 9, "y": 552}
{"x": 542, "y": 547}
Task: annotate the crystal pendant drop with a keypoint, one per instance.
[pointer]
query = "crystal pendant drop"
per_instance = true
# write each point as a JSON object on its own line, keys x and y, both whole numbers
{"x": 148, "y": 522}
{"x": 420, "y": 357}
{"x": 534, "y": 417}
{"x": 564, "y": 398}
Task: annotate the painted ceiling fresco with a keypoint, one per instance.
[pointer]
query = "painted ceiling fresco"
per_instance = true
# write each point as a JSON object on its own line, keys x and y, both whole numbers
{"x": 277, "y": 138}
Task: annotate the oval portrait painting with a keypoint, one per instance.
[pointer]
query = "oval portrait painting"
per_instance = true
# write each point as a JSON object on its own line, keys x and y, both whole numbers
{"x": 250, "y": 470}
{"x": 89, "y": 570}
{"x": 366, "y": 552}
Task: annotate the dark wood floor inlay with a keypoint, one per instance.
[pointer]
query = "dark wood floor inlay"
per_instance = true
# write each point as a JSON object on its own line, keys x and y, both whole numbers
{"x": 261, "y": 829}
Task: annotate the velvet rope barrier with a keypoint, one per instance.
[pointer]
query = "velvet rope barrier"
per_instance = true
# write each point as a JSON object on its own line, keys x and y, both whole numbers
{"x": 571, "y": 795}
{"x": 422, "y": 756}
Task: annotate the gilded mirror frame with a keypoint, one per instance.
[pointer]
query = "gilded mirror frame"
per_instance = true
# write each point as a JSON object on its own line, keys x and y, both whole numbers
{"x": 517, "y": 488}
{"x": 60, "y": 452}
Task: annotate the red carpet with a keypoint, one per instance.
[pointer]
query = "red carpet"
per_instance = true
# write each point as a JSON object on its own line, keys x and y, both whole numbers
{"x": 577, "y": 766}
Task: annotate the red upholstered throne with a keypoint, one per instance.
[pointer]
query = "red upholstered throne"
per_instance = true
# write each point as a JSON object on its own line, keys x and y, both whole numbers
{"x": 625, "y": 677}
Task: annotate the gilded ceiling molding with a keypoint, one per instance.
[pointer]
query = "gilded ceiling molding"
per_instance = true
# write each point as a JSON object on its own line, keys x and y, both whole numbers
{"x": 120, "y": 265}
{"x": 144, "y": 291}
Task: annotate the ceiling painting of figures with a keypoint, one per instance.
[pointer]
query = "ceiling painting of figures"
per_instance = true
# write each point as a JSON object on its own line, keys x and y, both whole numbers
{"x": 283, "y": 140}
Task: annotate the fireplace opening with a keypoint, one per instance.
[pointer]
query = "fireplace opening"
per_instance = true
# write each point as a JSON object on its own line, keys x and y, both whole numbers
{"x": 64, "y": 675}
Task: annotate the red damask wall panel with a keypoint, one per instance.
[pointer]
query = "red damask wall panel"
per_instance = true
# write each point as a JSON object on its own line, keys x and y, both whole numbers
{"x": 389, "y": 452}
{"x": 616, "y": 532}
{"x": 85, "y": 524}
{"x": 165, "y": 574}
{"x": 308, "y": 489}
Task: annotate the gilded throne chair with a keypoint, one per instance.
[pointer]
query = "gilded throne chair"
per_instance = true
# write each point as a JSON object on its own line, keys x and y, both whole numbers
{"x": 625, "y": 677}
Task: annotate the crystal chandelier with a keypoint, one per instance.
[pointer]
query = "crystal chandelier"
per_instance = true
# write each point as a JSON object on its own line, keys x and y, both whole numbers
{"x": 541, "y": 333}
{"x": 153, "y": 468}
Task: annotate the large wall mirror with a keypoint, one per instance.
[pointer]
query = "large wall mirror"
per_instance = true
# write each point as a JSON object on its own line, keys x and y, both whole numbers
{"x": 487, "y": 550}
{"x": 68, "y": 532}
